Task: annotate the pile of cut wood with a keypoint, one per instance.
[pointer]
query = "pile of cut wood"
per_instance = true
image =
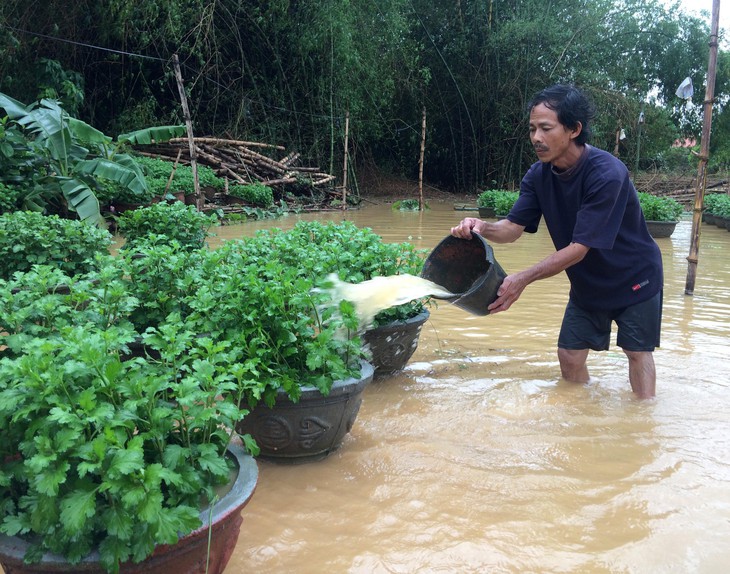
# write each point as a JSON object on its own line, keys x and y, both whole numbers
{"x": 242, "y": 162}
{"x": 681, "y": 188}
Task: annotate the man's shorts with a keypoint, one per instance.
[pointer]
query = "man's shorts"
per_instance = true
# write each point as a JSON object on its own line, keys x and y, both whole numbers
{"x": 639, "y": 327}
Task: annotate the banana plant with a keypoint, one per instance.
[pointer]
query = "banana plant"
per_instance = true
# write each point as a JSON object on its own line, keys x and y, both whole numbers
{"x": 72, "y": 156}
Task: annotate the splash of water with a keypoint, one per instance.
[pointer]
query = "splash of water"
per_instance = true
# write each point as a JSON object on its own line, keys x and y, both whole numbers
{"x": 379, "y": 293}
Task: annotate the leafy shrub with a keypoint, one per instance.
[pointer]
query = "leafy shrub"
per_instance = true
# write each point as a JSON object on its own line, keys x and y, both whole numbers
{"x": 256, "y": 194}
{"x": 9, "y": 196}
{"x": 268, "y": 310}
{"x": 112, "y": 192}
{"x": 314, "y": 249}
{"x": 157, "y": 174}
{"x": 717, "y": 204}
{"x": 176, "y": 221}
{"x": 43, "y": 301}
{"x": 407, "y": 205}
{"x": 659, "y": 208}
{"x": 19, "y": 170}
{"x": 722, "y": 207}
{"x": 488, "y": 198}
{"x": 58, "y": 160}
{"x": 504, "y": 201}
{"x": 29, "y": 238}
{"x": 112, "y": 454}
{"x": 160, "y": 274}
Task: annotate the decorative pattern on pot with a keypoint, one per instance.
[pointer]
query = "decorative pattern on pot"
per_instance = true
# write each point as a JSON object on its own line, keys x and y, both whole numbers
{"x": 393, "y": 345}
{"x": 311, "y": 428}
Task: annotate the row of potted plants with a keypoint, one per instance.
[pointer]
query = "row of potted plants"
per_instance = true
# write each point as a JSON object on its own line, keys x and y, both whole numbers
{"x": 121, "y": 393}
{"x": 717, "y": 210}
{"x": 661, "y": 213}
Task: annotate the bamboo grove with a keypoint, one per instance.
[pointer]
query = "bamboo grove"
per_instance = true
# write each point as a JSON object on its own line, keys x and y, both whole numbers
{"x": 287, "y": 71}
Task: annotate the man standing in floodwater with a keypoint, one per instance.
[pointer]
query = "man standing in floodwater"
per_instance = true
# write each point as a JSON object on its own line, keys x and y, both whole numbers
{"x": 592, "y": 212}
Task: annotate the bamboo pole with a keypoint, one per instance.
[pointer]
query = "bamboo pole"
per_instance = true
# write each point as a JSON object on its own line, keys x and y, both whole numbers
{"x": 701, "y": 183}
{"x": 172, "y": 173}
{"x": 221, "y": 141}
{"x": 189, "y": 127}
{"x": 420, "y": 160}
{"x": 344, "y": 168}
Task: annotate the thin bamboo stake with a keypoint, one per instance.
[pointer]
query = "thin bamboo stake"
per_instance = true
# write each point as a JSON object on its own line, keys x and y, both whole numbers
{"x": 344, "y": 169}
{"x": 420, "y": 161}
{"x": 172, "y": 173}
{"x": 694, "y": 248}
{"x": 189, "y": 126}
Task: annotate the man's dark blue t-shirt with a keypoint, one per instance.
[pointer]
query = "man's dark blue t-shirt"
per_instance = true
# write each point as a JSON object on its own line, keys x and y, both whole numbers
{"x": 595, "y": 204}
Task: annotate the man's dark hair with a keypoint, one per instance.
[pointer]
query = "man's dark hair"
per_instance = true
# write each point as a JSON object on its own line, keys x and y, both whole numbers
{"x": 572, "y": 106}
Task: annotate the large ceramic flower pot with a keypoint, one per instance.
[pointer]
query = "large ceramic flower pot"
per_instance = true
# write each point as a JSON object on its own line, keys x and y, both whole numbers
{"x": 393, "y": 345}
{"x": 659, "y": 229}
{"x": 311, "y": 428}
{"x": 190, "y": 555}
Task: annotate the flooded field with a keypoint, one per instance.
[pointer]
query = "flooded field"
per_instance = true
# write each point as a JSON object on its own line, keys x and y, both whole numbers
{"x": 479, "y": 458}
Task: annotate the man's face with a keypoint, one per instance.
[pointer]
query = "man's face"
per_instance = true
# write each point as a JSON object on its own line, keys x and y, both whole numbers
{"x": 553, "y": 142}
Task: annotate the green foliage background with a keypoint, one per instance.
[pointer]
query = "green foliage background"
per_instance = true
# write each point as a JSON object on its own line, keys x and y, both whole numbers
{"x": 286, "y": 72}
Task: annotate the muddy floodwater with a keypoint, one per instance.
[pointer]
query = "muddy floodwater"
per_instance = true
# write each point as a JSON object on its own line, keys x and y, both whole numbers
{"x": 478, "y": 458}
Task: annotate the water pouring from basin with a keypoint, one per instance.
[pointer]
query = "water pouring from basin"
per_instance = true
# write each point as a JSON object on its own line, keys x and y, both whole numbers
{"x": 467, "y": 268}
{"x": 379, "y": 293}
{"x": 461, "y": 271}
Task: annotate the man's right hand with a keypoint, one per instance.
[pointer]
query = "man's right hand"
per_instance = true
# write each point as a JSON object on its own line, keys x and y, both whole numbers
{"x": 465, "y": 227}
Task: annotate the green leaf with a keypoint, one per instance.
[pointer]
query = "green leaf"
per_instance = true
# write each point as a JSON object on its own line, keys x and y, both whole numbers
{"x": 82, "y": 199}
{"x": 119, "y": 523}
{"x": 174, "y": 522}
{"x": 112, "y": 552}
{"x": 78, "y": 507}
{"x": 152, "y": 135}
{"x": 209, "y": 459}
{"x": 131, "y": 492}
{"x": 114, "y": 171}
{"x": 129, "y": 460}
{"x": 48, "y": 481}
{"x": 62, "y": 416}
{"x": 150, "y": 506}
{"x": 13, "y": 525}
{"x": 174, "y": 455}
{"x": 87, "y": 133}
{"x": 13, "y": 108}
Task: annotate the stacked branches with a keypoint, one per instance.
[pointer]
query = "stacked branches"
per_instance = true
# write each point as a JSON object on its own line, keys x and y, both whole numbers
{"x": 240, "y": 163}
{"x": 681, "y": 188}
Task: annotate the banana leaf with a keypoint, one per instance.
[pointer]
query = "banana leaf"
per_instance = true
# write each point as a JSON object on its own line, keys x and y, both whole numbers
{"x": 114, "y": 171}
{"x": 82, "y": 199}
{"x": 13, "y": 108}
{"x": 152, "y": 135}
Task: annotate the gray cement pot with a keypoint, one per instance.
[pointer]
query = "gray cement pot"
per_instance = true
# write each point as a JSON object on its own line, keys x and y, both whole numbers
{"x": 393, "y": 345}
{"x": 658, "y": 229}
{"x": 311, "y": 428}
